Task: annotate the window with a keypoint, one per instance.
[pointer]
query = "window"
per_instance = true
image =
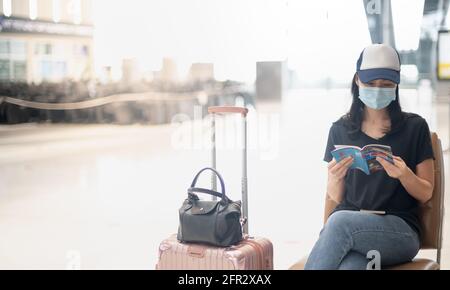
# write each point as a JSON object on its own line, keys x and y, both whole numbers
{"x": 407, "y": 17}
{"x": 4, "y": 69}
{"x": 59, "y": 69}
{"x": 18, "y": 48}
{"x": 81, "y": 50}
{"x": 20, "y": 70}
{"x": 85, "y": 50}
{"x": 43, "y": 49}
{"x": 53, "y": 70}
{"x": 48, "y": 49}
{"x": 13, "y": 56}
{"x": 46, "y": 69}
{"x": 37, "y": 49}
{"x": 4, "y": 47}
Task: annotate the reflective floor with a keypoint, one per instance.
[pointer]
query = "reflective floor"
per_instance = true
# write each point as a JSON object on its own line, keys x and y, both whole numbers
{"x": 103, "y": 197}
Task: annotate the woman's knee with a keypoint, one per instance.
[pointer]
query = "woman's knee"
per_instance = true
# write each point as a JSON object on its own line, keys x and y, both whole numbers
{"x": 340, "y": 220}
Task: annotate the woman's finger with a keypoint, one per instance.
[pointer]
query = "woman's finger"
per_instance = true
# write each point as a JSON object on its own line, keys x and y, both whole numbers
{"x": 344, "y": 165}
{"x": 398, "y": 160}
{"x": 385, "y": 164}
{"x": 343, "y": 162}
{"x": 342, "y": 171}
{"x": 332, "y": 163}
{"x": 350, "y": 162}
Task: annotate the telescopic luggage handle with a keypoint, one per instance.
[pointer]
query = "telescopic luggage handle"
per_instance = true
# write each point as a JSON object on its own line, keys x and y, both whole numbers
{"x": 243, "y": 112}
{"x": 228, "y": 110}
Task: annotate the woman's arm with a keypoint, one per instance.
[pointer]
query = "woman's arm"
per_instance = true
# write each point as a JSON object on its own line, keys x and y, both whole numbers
{"x": 336, "y": 175}
{"x": 335, "y": 190}
{"x": 419, "y": 185}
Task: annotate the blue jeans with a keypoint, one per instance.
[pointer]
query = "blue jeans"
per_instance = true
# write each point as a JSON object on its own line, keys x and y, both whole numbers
{"x": 348, "y": 236}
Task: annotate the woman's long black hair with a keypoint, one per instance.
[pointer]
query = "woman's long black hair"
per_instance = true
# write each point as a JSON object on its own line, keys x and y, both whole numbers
{"x": 355, "y": 116}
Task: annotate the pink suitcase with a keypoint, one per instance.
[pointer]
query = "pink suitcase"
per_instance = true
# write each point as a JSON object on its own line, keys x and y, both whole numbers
{"x": 251, "y": 254}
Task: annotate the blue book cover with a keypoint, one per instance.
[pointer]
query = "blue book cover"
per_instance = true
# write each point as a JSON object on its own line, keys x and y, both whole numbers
{"x": 364, "y": 158}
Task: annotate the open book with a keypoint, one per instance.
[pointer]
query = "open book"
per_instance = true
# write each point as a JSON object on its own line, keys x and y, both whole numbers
{"x": 364, "y": 158}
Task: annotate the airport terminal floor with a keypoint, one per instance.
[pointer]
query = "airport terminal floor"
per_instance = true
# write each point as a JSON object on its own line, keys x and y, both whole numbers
{"x": 105, "y": 196}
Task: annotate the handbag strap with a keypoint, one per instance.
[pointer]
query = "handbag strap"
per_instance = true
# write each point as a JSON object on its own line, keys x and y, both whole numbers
{"x": 194, "y": 189}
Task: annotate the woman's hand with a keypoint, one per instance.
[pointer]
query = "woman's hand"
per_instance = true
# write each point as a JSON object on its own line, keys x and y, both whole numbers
{"x": 397, "y": 170}
{"x": 336, "y": 173}
{"x": 418, "y": 186}
{"x": 338, "y": 170}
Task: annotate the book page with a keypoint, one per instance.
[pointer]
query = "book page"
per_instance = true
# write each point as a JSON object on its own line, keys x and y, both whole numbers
{"x": 371, "y": 152}
{"x": 346, "y": 146}
{"x": 359, "y": 162}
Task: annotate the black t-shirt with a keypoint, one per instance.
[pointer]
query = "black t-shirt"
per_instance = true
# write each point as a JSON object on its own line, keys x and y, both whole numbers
{"x": 411, "y": 141}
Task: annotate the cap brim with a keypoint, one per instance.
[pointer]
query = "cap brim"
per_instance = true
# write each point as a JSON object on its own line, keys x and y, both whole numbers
{"x": 369, "y": 75}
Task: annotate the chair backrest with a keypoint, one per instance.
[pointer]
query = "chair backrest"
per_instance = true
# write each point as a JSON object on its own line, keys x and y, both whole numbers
{"x": 431, "y": 213}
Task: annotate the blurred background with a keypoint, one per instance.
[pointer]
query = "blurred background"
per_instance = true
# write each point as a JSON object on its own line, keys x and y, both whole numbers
{"x": 103, "y": 115}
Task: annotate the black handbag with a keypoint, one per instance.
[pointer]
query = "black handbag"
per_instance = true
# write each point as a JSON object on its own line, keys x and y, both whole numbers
{"x": 216, "y": 222}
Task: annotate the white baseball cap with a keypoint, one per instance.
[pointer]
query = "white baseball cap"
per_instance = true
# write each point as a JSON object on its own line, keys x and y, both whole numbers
{"x": 379, "y": 61}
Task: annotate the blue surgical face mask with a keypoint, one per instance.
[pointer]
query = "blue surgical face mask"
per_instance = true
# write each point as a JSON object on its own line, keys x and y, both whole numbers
{"x": 377, "y": 98}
